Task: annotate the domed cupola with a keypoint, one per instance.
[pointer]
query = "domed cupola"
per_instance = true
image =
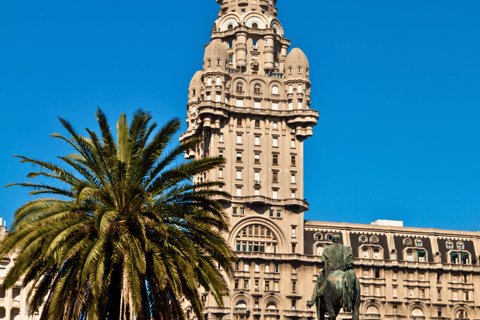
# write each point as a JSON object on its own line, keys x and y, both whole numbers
{"x": 195, "y": 88}
{"x": 296, "y": 65}
{"x": 216, "y": 56}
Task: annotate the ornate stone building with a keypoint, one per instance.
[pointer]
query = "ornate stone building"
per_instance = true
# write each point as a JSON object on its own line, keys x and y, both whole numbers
{"x": 251, "y": 105}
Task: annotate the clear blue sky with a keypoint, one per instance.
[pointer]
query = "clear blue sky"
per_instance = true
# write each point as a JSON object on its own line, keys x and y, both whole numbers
{"x": 396, "y": 83}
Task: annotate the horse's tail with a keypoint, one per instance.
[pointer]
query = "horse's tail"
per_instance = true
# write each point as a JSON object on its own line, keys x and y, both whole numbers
{"x": 348, "y": 292}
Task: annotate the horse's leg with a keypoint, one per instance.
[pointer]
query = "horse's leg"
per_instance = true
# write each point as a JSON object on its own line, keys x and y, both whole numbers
{"x": 329, "y": 302}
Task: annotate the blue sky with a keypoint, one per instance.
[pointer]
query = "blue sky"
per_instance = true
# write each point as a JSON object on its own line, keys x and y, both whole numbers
{"x": 396, "y": 83}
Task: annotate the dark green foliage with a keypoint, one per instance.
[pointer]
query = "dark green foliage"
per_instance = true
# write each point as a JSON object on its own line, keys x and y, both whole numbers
{"x": 121, "y": 230}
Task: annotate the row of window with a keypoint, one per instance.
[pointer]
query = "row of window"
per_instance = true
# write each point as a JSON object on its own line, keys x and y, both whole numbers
{"x": 271, "y": 212}
{"x": 257, "y": 192}
{"x": 257, "y": 176}
{"x": 257, "y": 88}
{"x": 258, "y": 104}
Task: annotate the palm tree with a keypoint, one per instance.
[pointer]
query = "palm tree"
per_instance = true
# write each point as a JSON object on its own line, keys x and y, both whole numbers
{"x": 121, "y": 231}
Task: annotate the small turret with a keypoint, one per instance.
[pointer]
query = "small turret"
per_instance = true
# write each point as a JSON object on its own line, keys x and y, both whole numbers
{"x": 296, "y": 65}
{"x": 216, "y": 56}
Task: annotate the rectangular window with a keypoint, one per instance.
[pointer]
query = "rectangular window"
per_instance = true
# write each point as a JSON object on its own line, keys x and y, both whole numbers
{"x": 294, "y": 304}
{"x": 237, "y": 282}
{"x": 242, "y": 211}
{"x": 254, "y": 41}
{"x": 467, "y": 296}
{"x": 256, "y": 192}
{"x": 209, "y": 96}
{"x": 439, "y": 294}
{"x": 290, "y": 105}
{"x": 410, "y": 293}
{"x": 235, "y": 210}
{"x": 267, "y": 285}
{"x": 395, "y": 292}
{"x": 422, "y": 293}
{"x": 257, "y": 141}
{"x": 230, "y": 44}
{"x": 377, "y": 291}
{"x": 239, "y": 192}
{"x": 274, "y": 106}
{"x": 257, "y": 176}
{"x": 294, "y": 286}
{"x": 246, "y": 267}
{"x": 275, "y": 194}
{"x": 272, "y": 213}
{"x": 239, "y": 174}
{"x": 275, "y": 142}
{"x": 218, "y": 97}
{"x": 221, "y": 137}
{"x": 266, "y": 42}
{"x": 220, "y": 173}
{"x": 239, "y": 139}
{"x": 246, "y": 284}
{"x": 257, "y": 105}
{"x": 293, "y": 161}
{"x": 275, "y": 177}
{"x": 294, "y": 194}
{"x": 257, "y": 158}
{"x": 294, "y": 247}
{"x": 220, "y": 153}
{"x": 239, "y": 156}
{"x": 299, "y": 104}
{"x": 275, "y": 159}
{"x": 293, "y": 143}
{"x": 237, "y": 264}
{"x": 455, "y": 295}
{"x": 239, "y": 122}
{"x": 293, "y": 178}
{"x": 294, "y": 232}
{"x": 279, "y": 213}
{"x": 239, "y": 102}
{"x": 275, "y": 268}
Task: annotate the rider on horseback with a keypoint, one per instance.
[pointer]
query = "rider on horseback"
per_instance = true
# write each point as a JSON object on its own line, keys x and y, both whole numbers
{"x": 336, "y": 257}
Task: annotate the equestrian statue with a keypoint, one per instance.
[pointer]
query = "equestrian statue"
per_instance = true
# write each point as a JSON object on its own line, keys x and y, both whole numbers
{"x": 337, "y": 286}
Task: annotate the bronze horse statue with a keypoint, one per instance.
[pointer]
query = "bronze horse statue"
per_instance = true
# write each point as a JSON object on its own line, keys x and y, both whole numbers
{"x": 337, "y": 287}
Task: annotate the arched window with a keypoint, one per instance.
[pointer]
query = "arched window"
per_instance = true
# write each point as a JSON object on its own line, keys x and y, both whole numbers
{"x": 230, "y": 27}
{"x": 274, "y": 90}
{"x": 290, "y": 70}
{"x": 256, "y": 238}
{"x": 209, "y": 62}
{"x": 290, "y": 89}
{"x": 239, "y": 86}
{"x": 418, "y": 243}
{"x": 218, "y": 82}
{"x": 329, "y": 237}
{"x": 241, "y": 304}
{"x": 218, "y": 62}
{"x": 194, "y": 92}
{"x": 363, "y": 239}
{"x": 318, "y": 236}
{"x": 257, "y": 88}
{"x": 271, "y": 305}
{"x": 372, "y": 310}
{"x": 460, "y": 246}
{"x": 209, "y": 81}
{"x": 254, "y": 25}
{"x": 300, "y": 88}
{"x": 461, "y": 314}
{"x": 299, "y": 70}
{"x": 417, "y": 312}
{"x": 257, "y": 123}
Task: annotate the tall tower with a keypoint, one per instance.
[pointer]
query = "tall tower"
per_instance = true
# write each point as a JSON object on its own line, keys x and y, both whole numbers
{"x": 251, "y": 105}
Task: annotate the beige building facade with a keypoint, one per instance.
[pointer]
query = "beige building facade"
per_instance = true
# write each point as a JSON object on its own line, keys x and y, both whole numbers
{"x": 251, "y": 104}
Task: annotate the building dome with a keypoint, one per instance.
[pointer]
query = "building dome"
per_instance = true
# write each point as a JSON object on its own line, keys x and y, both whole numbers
{"x": 216, "y": 56}
{"x": 195, "y": 85}
{"x": 196, "y": 81}
{"x": 296, "y": 64}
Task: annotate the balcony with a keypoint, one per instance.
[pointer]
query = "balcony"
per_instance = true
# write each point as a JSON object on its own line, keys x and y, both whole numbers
{"x": 298, "y": 313}
{"x": 241, "y": 311}
{"x": 256, "y": 182}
